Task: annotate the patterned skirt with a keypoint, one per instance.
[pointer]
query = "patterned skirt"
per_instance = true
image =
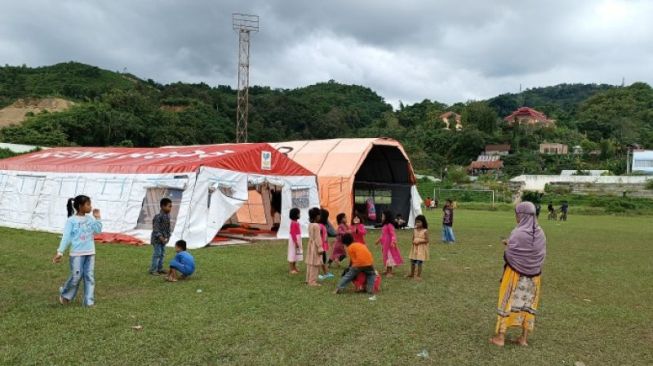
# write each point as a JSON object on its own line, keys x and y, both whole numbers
{"x": 519, "y": 297}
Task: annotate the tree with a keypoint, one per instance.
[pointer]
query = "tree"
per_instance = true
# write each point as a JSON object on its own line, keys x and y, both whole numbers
{"x": 479, "y": 114}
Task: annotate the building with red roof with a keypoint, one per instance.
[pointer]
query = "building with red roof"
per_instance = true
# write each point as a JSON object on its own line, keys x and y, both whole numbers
{"x": 530, "y": 117}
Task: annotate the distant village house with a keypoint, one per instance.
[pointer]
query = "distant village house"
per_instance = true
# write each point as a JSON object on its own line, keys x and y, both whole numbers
{"x": 529, "y": 117}
{"x": 490, "y": 160}
{"x": 554, "y": 149}
{"x": 501, "y": 150}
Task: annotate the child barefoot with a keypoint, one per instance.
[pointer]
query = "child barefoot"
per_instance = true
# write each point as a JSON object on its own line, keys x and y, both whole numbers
{"x": 420, "y": 249}
{"x": 79, "y": 230}
{"x": 314, "y": 249}
{"x": 358, "y": 229}
{"x": 295, "y": 251}
{"x": 388, "y": 240}
{"x": 183, "y": 262}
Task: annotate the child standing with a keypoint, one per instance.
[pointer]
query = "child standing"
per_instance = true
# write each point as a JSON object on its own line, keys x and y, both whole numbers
{"x": 78, "y": 233}
{"x": 183, "y": 262}
{"x": 295, "y": 251}
{"x": 358, "y": 229}
{"x": 314, "y": 249}
{"x": 339, "y": 253}
{"x": 419, "y": 253}
{"x": 160, "y": 236}
{"x": 324, "y": 220}
{"x": 447, "y": 223}
{"x": 391, "y": 255}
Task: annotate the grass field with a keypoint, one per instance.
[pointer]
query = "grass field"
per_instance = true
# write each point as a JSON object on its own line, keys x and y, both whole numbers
{"x": 596, "y": 304}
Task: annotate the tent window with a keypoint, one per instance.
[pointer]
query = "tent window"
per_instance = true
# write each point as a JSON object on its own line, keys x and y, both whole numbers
{"x": 151, "y": 206}
{"x": 112, "y": 188}
{"x": 30, "y": 185}
{"x": 4, "y": 179}
{"x": 69, "y": 187}
{"x": 300, "y": 198}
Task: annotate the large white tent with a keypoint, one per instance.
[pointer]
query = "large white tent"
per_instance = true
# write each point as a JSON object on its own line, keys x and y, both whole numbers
{"x": 207, "y": 184}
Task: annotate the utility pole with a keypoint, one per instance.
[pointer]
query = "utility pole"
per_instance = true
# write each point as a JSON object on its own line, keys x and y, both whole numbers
{"x": 244, "y": 24}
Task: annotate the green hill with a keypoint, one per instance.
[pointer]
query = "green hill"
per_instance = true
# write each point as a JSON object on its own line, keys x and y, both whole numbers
{"x": 114, "y": 108}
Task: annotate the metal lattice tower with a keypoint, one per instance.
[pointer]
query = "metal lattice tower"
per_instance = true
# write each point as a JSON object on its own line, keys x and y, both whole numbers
{"x": 244, "y": 24}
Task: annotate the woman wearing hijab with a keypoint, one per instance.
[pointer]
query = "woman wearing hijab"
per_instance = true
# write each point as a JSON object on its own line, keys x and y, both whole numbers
{"x": 519, "y": 293}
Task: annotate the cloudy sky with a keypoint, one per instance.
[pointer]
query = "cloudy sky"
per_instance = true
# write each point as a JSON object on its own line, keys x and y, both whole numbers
{"x": 405, "y": 50}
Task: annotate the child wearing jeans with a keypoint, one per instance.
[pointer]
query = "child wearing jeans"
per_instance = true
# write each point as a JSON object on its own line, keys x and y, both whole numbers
{"x": 78, "y": 234}
{"x": 160, "y": 236}
{"x": 183, "y": 262}
{"x": 361, "y": 262}
{"x": 447, "y": 223}
{"x": 419, "y": 253}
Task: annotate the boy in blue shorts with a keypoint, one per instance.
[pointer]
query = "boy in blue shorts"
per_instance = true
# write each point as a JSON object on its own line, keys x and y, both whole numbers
{"x": 183, "y": 262}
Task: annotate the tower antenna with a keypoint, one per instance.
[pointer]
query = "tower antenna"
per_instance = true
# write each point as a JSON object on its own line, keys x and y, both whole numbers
{"x": 244, "y": 24}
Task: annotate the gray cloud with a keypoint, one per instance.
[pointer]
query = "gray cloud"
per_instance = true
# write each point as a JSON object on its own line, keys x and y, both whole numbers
{"x": 410, "y": 50}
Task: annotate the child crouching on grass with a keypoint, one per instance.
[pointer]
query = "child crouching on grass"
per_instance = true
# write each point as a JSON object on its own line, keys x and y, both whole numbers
{"x": 361, "y": 262}
{"x": 79, "y": 235}
{"x": 183, "y": 262}
{"x": 419, "y": 253}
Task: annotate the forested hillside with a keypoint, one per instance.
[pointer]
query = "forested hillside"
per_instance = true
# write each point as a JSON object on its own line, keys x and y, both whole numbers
{"x": 113, "y": 108}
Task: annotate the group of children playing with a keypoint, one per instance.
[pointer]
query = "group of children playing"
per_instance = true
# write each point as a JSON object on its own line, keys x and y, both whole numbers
{"x": 350, "y": 242}
{"x": 79, "y": 233}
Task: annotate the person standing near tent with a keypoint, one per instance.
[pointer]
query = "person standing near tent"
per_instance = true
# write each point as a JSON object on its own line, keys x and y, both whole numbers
{"x": 391, "y": 255}
{"x": 519, "y": 292}
{"x": 358, "y": 229}
{"x": 447, "y": 223}
{"x": 295, "y": 251}
{"x": 314, "y": 248}
{"x": 339, "y": 253}
{"x": 324, "y": 220}
{"x": 78, "y": 234}
{"x": 160, "y": 236}
{"x": 419, "y": 253}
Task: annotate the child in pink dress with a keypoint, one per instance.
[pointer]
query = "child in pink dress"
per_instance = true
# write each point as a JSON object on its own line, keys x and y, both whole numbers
{"x": 295, "y": 251}
{"x": 339, "y": 253}
{"x": 358, "y": 229}
{"x": 388, "y": 240}
{"x": 324, "y": 217}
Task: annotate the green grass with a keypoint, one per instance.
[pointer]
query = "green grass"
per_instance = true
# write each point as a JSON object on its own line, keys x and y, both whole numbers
{"x": 596, "y": 304}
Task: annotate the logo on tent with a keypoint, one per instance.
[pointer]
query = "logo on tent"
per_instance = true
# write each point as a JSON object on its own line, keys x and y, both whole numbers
{"x": 266, "y": 160}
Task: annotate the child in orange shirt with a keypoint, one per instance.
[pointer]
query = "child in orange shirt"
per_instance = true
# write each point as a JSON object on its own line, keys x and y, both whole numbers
{"x": 361, "y": 261}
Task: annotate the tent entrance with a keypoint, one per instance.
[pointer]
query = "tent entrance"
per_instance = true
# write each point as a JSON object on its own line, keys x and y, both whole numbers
{"x": 392, "y": 197}
{"x": 384, "y": 177}
{"x": 259, "y": 216}
{"x": 152, "y": 206}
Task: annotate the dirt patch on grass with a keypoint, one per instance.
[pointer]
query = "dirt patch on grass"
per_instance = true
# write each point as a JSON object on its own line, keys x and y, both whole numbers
{"x": 17, "y": 112}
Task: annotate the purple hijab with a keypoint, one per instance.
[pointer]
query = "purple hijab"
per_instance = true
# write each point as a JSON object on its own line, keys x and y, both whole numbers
{"x": 526, "y": 247}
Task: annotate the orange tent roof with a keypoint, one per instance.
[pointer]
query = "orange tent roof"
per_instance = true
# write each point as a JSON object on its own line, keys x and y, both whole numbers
{"x": 336, "y": 163}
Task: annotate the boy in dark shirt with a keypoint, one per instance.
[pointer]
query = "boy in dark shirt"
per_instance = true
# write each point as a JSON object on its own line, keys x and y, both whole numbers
{"x": 160, "y": 236}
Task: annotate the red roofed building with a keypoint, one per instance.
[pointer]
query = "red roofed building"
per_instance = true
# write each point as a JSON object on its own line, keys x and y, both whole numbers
{"x": 485, "y": 164}
{"x": 528, "y": 116}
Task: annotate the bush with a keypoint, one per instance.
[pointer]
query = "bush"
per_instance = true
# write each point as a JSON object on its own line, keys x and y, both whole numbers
{"x": 649, "y": 184}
